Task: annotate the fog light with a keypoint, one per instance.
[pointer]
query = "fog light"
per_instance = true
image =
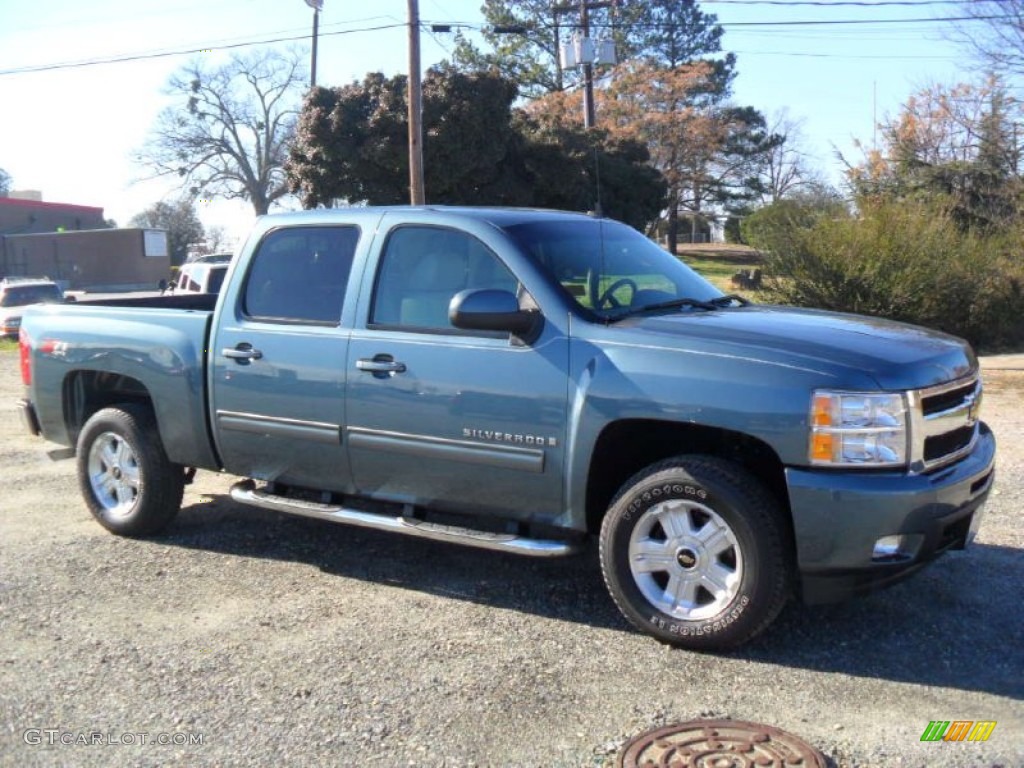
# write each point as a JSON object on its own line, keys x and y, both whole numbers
{"x": 896, "y": 549}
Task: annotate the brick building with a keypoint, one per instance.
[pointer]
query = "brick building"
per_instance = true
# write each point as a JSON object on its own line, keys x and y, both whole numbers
{"x": 73, "y": 245}
{"x": 27, "y": 217}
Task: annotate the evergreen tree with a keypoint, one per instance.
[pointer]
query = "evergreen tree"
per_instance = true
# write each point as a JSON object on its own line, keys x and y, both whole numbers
{"x": 478, "y": 149}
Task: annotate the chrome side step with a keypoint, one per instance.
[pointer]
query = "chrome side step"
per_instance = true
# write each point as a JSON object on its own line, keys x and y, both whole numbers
{"x": 246, "y": 492}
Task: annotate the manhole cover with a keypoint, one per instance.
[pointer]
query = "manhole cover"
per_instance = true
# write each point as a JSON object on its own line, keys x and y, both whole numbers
{"x": 719, "y": 744}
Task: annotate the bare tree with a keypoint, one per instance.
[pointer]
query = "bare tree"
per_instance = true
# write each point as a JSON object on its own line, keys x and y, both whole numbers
{"x": 786, "y": 165}
{"x": 5, "y": 183}
{"x": 229, "y": 130}
{"x": 995, "y": 34}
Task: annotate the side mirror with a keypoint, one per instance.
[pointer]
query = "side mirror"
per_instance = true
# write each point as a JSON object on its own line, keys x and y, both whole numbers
{"x": 492, "y": 310}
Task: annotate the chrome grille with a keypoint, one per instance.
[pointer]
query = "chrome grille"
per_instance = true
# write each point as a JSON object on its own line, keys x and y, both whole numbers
{"x": 944, "y": 422}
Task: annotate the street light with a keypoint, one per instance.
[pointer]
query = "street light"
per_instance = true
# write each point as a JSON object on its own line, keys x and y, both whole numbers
{"x": 317, "y": 6}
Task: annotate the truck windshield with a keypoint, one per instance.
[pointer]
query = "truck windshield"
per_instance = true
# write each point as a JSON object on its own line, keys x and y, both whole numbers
{"x": 610, "y": 269}
{"x": 20, "y": 296}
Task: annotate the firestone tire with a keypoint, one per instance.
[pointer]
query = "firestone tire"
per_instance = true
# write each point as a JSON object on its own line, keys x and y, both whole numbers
{"x": 694, "y": 551}
{"x": 126, "y": 479}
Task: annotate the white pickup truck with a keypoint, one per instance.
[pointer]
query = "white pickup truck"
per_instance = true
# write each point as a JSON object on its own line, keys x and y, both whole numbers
{"x": 205, "y": 275}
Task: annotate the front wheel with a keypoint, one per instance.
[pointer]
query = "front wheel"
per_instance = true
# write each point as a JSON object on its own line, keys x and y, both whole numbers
{"x": 126, "y": 479}
{"x": 694, "y": 552}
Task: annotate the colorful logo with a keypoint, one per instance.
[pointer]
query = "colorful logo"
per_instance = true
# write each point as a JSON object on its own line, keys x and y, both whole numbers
{"x": 958, "y": 730}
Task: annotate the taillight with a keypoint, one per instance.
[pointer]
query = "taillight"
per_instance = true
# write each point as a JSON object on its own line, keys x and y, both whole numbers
{"x": 25, "y": 350}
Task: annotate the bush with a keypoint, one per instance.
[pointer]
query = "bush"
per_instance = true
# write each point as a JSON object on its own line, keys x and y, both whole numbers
{"x": 902, "y": 261}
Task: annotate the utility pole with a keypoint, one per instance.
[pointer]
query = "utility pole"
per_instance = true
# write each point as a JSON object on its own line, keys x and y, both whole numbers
{"x": 559, "y": 82}
{"x": 584, "y": 8}
{"x": 589, "y": 118}
{"x": 316, "y": 34}
{"x": 317, "y": 6}
{"x": 417, "y": 195}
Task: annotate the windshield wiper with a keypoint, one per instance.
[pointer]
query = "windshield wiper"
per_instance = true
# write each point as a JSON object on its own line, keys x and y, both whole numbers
{"x": 671, "y": 304}
{"x": 728, "y": 299}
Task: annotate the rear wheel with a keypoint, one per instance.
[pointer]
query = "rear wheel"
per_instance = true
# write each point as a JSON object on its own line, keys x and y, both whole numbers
{"x": 693, "y": 551}
{"x": 126, "y": 479}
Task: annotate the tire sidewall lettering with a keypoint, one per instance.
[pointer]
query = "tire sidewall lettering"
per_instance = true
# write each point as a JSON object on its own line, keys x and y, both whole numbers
{"x": 662, "y": 492}
{"x": 703, "y": 628}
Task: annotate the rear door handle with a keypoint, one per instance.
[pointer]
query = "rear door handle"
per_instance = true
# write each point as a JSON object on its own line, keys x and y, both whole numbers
{"x": 242, "y": 352}
{"x": 380, "y": 364}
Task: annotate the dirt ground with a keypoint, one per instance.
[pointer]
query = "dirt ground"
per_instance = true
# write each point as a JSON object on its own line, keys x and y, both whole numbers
{"x": 245, "y": 637}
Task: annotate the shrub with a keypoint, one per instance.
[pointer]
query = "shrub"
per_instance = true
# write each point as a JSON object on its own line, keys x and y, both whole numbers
{"x": 902, "y": 261}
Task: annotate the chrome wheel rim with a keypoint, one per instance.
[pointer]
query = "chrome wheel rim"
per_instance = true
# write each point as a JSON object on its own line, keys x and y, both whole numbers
{"x": 114, "y": 474}
{"x": 685, "y": 560}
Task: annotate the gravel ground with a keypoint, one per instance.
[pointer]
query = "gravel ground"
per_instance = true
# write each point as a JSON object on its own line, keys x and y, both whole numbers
{"x": 254, "y": 638}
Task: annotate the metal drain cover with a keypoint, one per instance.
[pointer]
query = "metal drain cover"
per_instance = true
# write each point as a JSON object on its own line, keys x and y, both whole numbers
{"x": 719, "y": 744}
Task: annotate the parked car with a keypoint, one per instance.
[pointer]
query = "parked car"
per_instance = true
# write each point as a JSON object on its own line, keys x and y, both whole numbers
{"x": 517, "y": 380}
{"x": 199, "y": 277}
{"x": 16, "y": 293}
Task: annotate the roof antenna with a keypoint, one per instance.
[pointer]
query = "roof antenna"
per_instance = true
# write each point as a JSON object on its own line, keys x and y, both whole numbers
{"x": 597, "y": 178}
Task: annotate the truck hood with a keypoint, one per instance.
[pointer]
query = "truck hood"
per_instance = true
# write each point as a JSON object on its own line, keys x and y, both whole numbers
{"x": 896, "y": 355}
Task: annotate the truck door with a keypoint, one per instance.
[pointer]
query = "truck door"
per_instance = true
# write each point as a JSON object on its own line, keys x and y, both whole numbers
{"x": 278, "y": 363}
{"x": 456, "y": 420}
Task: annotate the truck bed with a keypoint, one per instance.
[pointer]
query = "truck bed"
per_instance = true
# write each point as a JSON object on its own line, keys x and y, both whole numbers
{"x": 154, "y": 346}
{"x": 194, "y": 301}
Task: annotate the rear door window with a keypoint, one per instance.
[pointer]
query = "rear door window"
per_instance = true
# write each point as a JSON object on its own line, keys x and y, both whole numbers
{"x": 299, "y": 275}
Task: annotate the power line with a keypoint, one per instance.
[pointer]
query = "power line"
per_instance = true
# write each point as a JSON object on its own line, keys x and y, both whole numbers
{"x": 837, "y": 22}
{"x": 187, "y": 51}
{"x": 894, "y": 57}
{"x": 468, "y": 25}
{"x": 831, "y": 3}
{"x": 825, "y": 22}
{"x": 786, "y": 23}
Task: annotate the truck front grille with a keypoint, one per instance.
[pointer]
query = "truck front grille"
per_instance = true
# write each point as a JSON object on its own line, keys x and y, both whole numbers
{"x": 938, "y": 447}
{"x": 945, "y": 422}
{"x": 944, "y": 401}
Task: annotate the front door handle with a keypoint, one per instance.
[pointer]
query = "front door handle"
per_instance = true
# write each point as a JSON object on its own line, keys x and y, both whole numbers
{"x": 242, "y": 352}
{"x": 380, "y": 364}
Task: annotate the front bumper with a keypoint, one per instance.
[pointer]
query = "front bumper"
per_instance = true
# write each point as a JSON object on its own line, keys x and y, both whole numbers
{"x": 839, "y": 516}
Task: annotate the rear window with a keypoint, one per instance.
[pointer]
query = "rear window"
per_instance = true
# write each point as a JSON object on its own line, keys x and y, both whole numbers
{"x": 216, "y": 279}
{"x": 22, "y": 295}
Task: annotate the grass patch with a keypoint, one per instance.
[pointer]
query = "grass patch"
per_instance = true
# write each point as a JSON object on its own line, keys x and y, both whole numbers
{"x": 718, "y": 262}
{"x": 8, "y": 345}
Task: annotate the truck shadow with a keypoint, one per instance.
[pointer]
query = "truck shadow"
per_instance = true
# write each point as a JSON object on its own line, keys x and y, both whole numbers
{"x": 946, "y": 626}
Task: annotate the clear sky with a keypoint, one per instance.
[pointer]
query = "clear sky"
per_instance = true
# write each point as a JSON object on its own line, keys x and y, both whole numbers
{"x": 70, "y": 132}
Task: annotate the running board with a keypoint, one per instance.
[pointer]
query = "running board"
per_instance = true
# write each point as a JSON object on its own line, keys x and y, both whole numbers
{"x": 246, "y": 492}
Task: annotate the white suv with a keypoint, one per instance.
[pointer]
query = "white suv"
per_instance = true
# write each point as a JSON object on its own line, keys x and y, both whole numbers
{"x": 16, "y": 293}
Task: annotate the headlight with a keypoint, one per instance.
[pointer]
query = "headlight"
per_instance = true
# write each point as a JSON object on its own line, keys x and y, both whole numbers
{"x": 858, "y": 429}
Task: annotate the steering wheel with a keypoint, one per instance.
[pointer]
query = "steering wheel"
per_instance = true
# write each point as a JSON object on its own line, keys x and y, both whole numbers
{"x": 608, "y": 298}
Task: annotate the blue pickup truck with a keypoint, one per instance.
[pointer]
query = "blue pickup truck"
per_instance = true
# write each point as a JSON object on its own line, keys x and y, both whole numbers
{"x": 519, "y": 380}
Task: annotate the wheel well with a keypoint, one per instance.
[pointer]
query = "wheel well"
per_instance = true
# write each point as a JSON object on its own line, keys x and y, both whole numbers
{"x": 626, "y": 447}
{"x": 86, "y": 392}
